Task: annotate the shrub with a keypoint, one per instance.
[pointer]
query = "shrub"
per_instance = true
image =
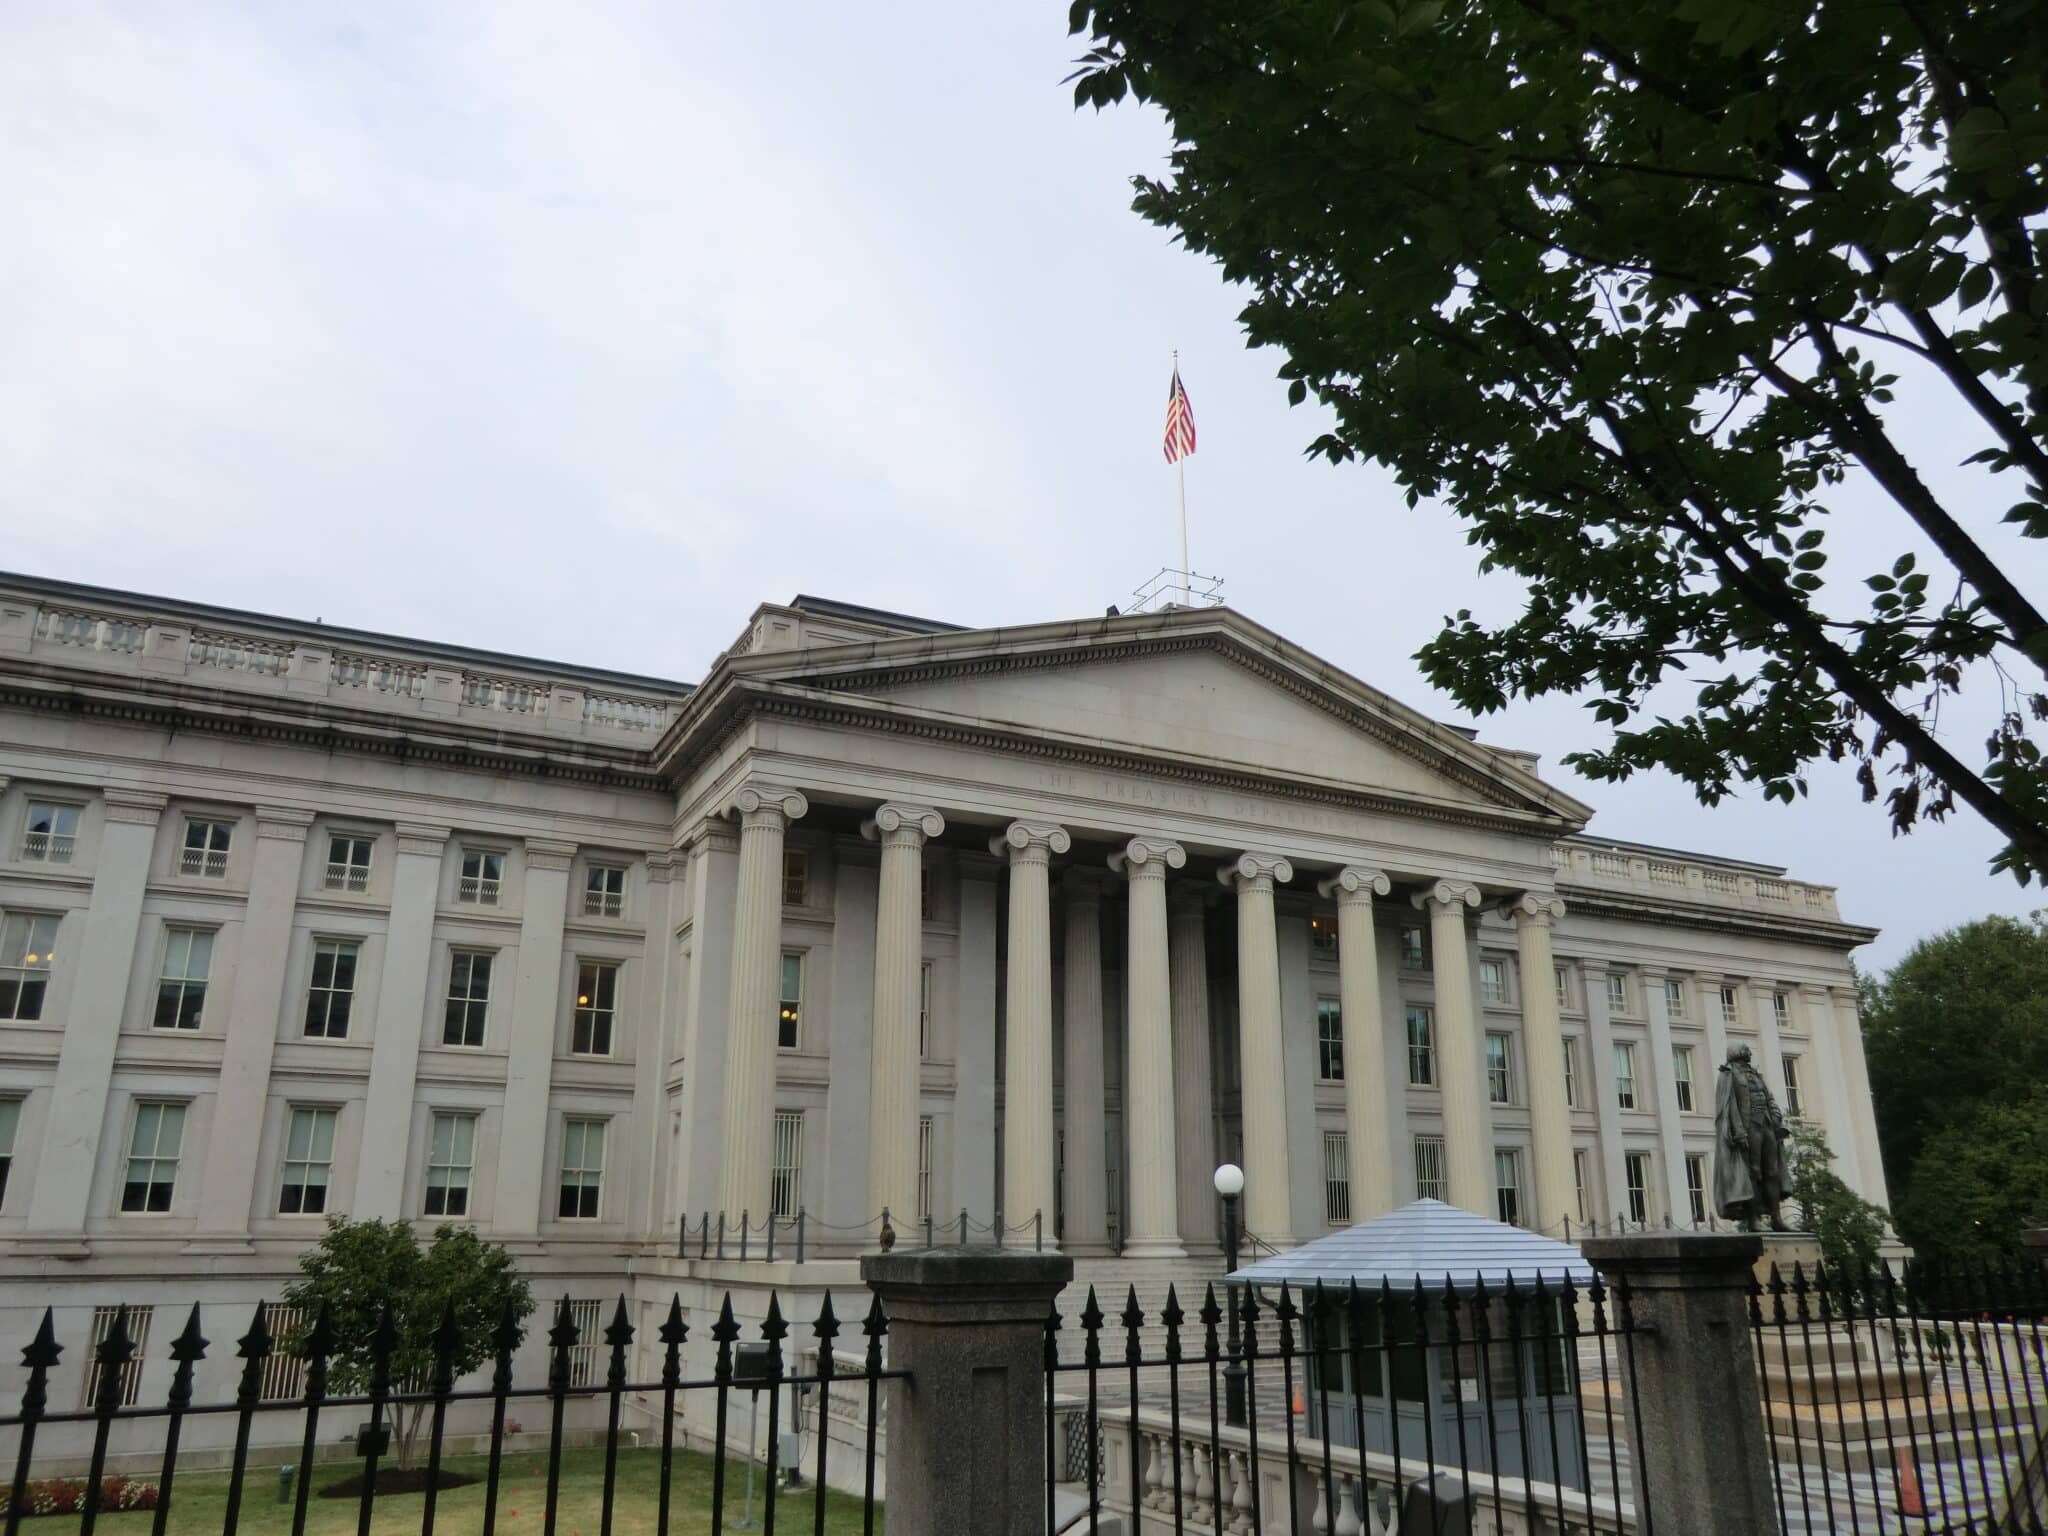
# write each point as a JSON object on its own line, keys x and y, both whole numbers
{"x": 66, "y": 1495}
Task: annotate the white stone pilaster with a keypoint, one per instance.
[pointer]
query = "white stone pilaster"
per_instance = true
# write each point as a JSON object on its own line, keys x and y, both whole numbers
{"x": 401, "y": 1014}
{"x": 1262, "y": 1090}
{"x": 1151, "y": 1215}
{"x": 1194, "y": 1089}
{"x": 530, "y": 1052}
{"x": 1370, "y": 1134}
{"x": 1670, "y": 1126}
{"x": 1826, "y": 1081}
{"x": 1554, "y": 1196}
{"x": 1847, "y": 1030}
{"x": 712, "y": 874}
{"x": 745, "y": 1166}
{"x": 101, "y": 948}
{"x": 893, "y": 1085}
{"x": 1461, "y": 1063}
{"x": 227, "y": 1189}
{"x": 1086, "y": 1194}
{"x": 1027, "y": 1014}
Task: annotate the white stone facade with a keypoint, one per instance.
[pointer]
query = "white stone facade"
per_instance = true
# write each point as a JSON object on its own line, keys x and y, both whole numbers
{"x": 1039, "y": 919}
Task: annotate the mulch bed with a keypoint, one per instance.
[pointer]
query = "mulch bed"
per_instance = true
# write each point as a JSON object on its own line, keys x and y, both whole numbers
{"x": 397, "y": 1480}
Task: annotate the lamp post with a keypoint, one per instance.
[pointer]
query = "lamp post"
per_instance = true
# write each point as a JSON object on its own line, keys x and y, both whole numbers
{"x": 1230, "y": 1184}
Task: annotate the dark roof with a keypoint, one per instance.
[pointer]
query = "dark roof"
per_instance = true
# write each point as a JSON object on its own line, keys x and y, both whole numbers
{"x": 832, "y": 608}
{"x": 242, "y": 618}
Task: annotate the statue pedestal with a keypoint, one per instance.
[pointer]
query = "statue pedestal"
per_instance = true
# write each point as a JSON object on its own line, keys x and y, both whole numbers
{"x": 1786, "y": 1249}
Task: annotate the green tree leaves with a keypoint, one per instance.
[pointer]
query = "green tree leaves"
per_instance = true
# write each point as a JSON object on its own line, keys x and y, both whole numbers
{"x": 1628, "y": 287}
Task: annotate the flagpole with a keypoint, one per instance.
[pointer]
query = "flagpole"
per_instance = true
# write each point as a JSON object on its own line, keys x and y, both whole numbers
{"x": 1180, "y": 472}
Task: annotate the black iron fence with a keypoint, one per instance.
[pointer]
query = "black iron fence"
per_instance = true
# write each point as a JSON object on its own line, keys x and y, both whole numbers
{"x": 758, "y": 1366}
{"x": 1429, "y": 1409}
{"x": 1909, "y": 1399}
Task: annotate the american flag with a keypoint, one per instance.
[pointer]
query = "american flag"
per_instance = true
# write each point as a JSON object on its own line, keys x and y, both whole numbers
{"x": 1180, "y": 421}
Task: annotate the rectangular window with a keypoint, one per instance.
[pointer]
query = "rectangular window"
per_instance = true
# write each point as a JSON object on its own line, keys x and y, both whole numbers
{"x": 1795, "y": 1103}
{"x": 469, "y": 997}
{"x": 796, "y": 877}
{"x": 597, "y": 991}
{"x": 1322, "y": 934}
{"x": 348, "y": 862}
{"x": 308, "y": 1154}
{"x": 1624, "y": 1074}
{"x": 451, "y": 1157}
{"x": 587, "y": 1317}
{"x": 786, "y": 1171}
{"x": 604, "y": 891}
{"x": 1507, "y": 1185}
{"x": 924, "y": 1169}
{"x": 789, "y": 1027}
{"x": 1579, "y": 1169}
{"x": 1674, "y": 998}
{"x": 1696, "y": 1186}
{"x": 1493, "y": 982}
{"x": 153, "y": 1157}
{"x": 1421, "y": 1049}
{"x": 181, "y": 989}
{"x": 284, "y": 1374}
{"x": 1329, "y": 1040}
{"x": 1500, "y": 1069}
{"x": 1681, "y": 1074}
{"x": 1563, "y": 978}
{"x": 51, "y": 834}
{"x": 1571, "y": 1073}
{"x": 1414, "y": 954}
{"x": 26, "y": 941}
{"x": 206, "y": 849}
{"x": 483, "y": 876}
{"x": 1336, "y": 1178}
{"x": 582, "y": 1169}
{"x": 1781, "y": 1009}
{"x": 331, "y": 994}
{"x": 924, "y": 1011}
{"x": 10, "y": 1122}
{"x": 1617, "y": 991}
{"x": 1731, "y": 1006}
{"x": 1429, "y": 1167}
{"x": 1636, "y": 1172}
{"x": 135, "y": 1323}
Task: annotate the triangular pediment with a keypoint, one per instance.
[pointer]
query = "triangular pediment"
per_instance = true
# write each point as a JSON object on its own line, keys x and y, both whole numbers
{"x": 1204, "y": 688}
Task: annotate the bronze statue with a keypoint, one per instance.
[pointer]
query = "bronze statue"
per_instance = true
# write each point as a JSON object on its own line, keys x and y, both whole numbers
{"x": 1749, "y": 1145}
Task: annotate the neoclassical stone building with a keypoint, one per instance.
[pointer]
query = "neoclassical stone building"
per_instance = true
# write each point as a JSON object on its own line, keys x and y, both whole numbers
{"x": 1036, "y": 924}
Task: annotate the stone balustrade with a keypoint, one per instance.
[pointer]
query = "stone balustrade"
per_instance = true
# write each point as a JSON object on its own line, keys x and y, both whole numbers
{"x": 1677, "y": 877}
{"x": 304, "y": 667}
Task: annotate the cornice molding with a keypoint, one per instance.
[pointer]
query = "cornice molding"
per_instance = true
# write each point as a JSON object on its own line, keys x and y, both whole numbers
{"x": 1589, "y": 901}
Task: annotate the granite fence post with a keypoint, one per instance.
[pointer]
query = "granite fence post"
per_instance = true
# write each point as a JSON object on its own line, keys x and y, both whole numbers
{"x": 1696, "y": 1440}
{"x": 967, "y": 1426}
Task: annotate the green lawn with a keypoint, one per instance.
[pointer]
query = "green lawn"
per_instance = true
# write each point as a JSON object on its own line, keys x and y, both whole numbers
{"x": 199, "y": 1501}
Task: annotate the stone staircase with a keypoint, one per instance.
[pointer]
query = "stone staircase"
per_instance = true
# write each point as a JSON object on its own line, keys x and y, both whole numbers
{"x": 1114, "y": 1279}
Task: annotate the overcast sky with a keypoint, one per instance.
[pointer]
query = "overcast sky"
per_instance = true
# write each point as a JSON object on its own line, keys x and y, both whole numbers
{"x": 576, "y": 330}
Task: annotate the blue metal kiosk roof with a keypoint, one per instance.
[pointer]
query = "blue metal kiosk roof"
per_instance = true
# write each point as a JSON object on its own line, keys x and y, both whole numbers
{"x": 1424, "y": 1240}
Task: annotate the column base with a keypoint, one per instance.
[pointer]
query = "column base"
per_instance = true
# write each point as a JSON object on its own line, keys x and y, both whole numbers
{"x": 1154, "y": 1248}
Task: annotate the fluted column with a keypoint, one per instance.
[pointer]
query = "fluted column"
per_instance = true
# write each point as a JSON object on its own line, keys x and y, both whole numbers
{"x": 1194, "y": 1115}
{"x": 748, "y": 1148}
{"x": 1027, "y": 1023}
{"x": 1263, "y": 1089}
{"x": 1151, "y": 1204}
{"x": 899, "y": 955}
{"x": 1086, "y": 1195}
{"x": 1550, "y": 1117}
{"x": 1369, "y": 1131}
{"x": 1468, "y": 1127}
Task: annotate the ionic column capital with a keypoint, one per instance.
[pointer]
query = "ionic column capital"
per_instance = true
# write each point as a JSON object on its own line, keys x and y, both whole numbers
{"x": 1354, "y": 883}
{"x": 1447, "y": 896}
{"x": 1148, "y": 858}
{"x": 1025, "y": 842}
{"x": 899, "y": 826}
{"x": 1256, "y": 871}
{"x": 765, "y": 805}
{"x": 1533, "y": 908}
